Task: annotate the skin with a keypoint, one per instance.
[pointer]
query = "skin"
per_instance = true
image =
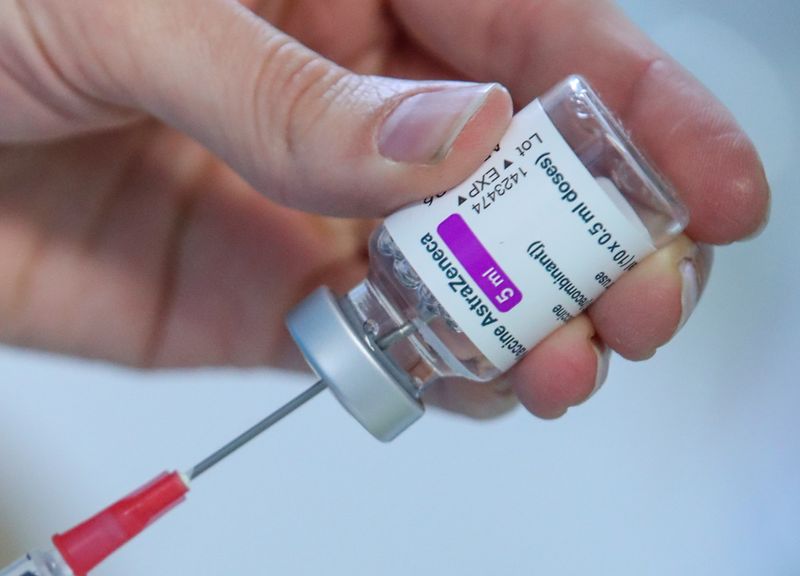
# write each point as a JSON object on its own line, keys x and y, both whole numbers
{"x": 168, "y": 170}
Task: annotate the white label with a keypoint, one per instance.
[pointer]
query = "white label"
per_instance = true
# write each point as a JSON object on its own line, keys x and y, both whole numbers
{"x": 526, "y": 243}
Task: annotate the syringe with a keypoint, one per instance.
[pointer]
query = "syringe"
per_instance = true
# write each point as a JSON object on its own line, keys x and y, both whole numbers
{"x": 81, "y": 549}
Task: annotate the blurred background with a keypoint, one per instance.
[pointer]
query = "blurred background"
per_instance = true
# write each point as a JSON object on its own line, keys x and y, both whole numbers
{"x": 686, "y": 464}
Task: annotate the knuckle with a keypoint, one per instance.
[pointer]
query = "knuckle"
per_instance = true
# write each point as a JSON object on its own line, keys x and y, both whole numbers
{"x": 504, "y": 45}
{"x": 43, "y": 53}
{"x": 292, "y": 88}
{"x": 288, "y": 91}
{"x": 64, "y": 64}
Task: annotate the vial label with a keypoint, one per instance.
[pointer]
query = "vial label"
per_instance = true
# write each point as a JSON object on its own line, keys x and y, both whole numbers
{"x": 526, "y": 243}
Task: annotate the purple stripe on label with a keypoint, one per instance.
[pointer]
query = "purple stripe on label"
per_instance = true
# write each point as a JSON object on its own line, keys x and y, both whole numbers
{"x": 478, "y": 263}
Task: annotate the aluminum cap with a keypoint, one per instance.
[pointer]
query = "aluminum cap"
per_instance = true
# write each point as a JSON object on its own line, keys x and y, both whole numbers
{"x": 363, "y": 381}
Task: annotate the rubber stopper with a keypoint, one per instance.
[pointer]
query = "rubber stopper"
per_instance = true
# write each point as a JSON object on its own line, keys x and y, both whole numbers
{"x": 88, "y": 544}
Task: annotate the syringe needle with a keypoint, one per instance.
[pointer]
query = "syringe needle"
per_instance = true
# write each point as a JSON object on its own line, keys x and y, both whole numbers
{"x": 253, "y": 432}
{"x": 383, "y": 343}
{"x": 80, "y": 549}
{"x": 401, "y": 333}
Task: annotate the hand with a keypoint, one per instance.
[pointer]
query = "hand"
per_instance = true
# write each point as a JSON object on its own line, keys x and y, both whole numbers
{"x": 141, "y": 138}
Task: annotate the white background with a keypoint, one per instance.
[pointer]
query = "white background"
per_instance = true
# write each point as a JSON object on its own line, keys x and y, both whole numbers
{"x": 686, "y": 464}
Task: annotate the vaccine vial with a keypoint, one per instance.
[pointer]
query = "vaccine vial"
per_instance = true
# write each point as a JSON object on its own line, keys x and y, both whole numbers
{"x": 465, "y": 283}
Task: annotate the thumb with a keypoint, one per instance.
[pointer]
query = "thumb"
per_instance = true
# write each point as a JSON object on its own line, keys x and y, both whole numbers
{"x": 301, "y": 129}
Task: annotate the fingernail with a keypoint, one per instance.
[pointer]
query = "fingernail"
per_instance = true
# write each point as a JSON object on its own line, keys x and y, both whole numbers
{"x": 694, "y": 274}
{"x": 423, "y": 127}
{"x": 603, "y": 360}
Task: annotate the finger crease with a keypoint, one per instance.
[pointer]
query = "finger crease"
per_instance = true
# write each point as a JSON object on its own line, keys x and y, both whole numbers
{"x": 186, "y": 207}
{"x": 29, "y": 21}
{"x": 309, "y": 75}
{"x": 262, "y": 81}
{"x": 131, "y": 164}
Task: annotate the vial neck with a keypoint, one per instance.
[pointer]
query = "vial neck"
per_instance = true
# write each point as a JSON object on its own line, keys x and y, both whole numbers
{"x": 402, "y": 333}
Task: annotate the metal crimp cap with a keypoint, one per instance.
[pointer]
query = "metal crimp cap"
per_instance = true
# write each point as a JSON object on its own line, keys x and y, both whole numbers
{"x": 359, "y": 376}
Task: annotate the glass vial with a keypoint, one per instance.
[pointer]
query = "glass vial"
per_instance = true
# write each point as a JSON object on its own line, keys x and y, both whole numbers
{"x": 465, "y": 283}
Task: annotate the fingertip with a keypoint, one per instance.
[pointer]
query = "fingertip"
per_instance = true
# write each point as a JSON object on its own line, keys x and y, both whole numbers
{"x": 645, "y": 307}
{"x": 702, "y": 150}
{"x": 736, "y": 202}
{"x": 423, "y": 127}
{"x": 442, "y": 159}
{"x": 396, "y": 142}
{"x": 652, "y": 310}
{"x": 485, "y": 128}
{"x": 562, "y": 371}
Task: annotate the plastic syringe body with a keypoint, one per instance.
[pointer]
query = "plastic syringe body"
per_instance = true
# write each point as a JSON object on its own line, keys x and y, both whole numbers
{"x": 79, "y": 550}
{"x": 39, "y": 563}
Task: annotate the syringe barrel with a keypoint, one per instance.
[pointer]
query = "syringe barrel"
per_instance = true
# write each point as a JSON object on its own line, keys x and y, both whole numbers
{"x": 39, "y": 563}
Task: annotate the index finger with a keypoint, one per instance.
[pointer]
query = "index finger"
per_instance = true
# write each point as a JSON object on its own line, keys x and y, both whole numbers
{"x": 529, "y": 45}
